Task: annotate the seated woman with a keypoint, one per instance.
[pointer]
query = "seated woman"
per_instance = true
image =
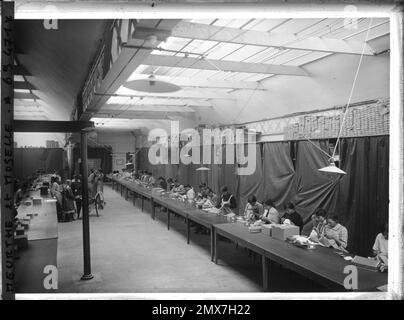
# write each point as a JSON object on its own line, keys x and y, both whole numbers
{"x": 270, "y": 215}
{"x": 20, "y": 194}
{"x": 227, "y": 201}
{"x": 162, "y": 183}
{"x": 291, "y": 216}
{"x": 319, "y": 224}
{"x": 381, "y": 245}
{"x": 253, "y": 209}
{"x": 335, "y": 234}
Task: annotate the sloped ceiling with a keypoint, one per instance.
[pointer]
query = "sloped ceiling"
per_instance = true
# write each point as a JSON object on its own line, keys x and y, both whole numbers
{"x": 58, "y": 60}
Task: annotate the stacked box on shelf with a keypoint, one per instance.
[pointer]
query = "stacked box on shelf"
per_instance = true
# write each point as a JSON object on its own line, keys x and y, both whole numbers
{"x": 320, "y": 121}
{"x": 295, "y": 130}
{"x": 327, "y": 127}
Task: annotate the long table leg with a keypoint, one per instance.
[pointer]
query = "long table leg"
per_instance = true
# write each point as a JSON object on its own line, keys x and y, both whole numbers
{"x": 134, "y": 198}
{"x": 168, "y": 219}
{"x": 188, "y": 230}
{"x": 265, "y": 272}
{"x": 153, "y": 208}
{"x": 121, "y": 189}
{"x": 142, "y": 203}
{"x": 126, "y": 193}
{"x": 212, "y": 244}
{"x": 215, "y": 243}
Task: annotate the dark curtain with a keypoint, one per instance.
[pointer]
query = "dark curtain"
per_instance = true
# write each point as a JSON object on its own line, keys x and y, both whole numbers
{"x": 278, "y": 172}
{"x": 105, "y": 154}
{"x": 249, "y": 185}
{"x": 364, "y": 195}
{"x": 314, "y": 189}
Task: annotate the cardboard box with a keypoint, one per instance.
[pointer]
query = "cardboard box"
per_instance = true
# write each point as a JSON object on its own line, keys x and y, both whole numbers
{"x": 283, "y": 231}
{"x": 37, "y": 201}
{"x": 267, "y": 228}
{"x": 19, "y": 230}
{"x": 254, "y": 229}
{"x": 21, "y": 241}
{"x": 369, "y": 264}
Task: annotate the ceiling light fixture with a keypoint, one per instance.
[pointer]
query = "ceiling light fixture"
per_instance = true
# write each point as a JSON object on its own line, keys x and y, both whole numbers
{"x": 151, "y": 84}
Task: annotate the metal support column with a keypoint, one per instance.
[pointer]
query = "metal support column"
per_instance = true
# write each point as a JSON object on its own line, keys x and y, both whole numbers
{"x": 86, "y": 221}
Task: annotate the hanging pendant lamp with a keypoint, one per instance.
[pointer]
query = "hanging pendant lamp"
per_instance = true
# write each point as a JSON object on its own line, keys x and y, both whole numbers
{"x": 151, "y": 84}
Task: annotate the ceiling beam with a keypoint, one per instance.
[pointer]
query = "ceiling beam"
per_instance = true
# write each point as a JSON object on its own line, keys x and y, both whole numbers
{"x": 142, "y": 114}
{"x": 21, "y": 71}
{"x": 23, "y": 85}
{"x": 25, "y": 96}
{"x": 154, "y": 101}
{"x": 232, "y": 66}
{"x": 182, "y": 94}
{"x": 26, "y": 103}
{"x": 266, "y": 39}
{"x": 115, "y": 108}
{"x": 51, "y": 126}
{"x": 126, "y": 63}
{"x": 203, "y": 83}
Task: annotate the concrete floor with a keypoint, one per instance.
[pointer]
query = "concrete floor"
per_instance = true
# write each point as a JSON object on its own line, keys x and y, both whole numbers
{"x": 132, "y": 253}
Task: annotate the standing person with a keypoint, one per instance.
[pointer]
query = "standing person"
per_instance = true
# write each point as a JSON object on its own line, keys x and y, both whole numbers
{"x": 291, "y": 216}
{"x": 99, "y": 186}
{"x": 227, "y": 201}
{"x": 76, "y": 188}
{"x": 91, "y": 184}
{"x": 68, "y": 208}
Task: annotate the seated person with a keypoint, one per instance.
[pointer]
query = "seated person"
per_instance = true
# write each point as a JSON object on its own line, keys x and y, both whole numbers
{"x": 211, "y": 199}
{"x": 203, "y": 192}
{"x": 162, "y": 183}
{"x": 189, "y": 191}
{"x": 253, "y": 209}
{"x": 319, "y": 224}
{"x": 21, "y": 194}
{"x": 227, "y": 201}
{"x": 170, "y": 184}
{"x": 291, "y": 216}
{"x": 335, "y": 234}
{"x": 151, "y": 180}
{"x": 381, "y": 245}
{"x": 270, "y": 214}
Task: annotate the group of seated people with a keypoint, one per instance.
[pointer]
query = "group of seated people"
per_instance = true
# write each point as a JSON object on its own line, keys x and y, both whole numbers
{"x": 327, "y": 229}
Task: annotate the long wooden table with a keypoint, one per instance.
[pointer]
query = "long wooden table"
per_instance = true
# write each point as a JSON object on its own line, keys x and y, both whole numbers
{"x": 184, "y": 209}
{"x": 42, "y": 244}
{"x": 322, "y": 265}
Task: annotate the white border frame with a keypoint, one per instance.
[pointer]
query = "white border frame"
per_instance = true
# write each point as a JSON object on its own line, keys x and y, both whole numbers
{"x": 111, "y": 10}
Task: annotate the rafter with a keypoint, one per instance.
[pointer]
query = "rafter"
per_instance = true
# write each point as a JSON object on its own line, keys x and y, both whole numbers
{"x": 25, "y": 96}
{"x": 259, "y": 38}
{"x": 202, "y": 83}
{"x": 151, "y": 107}
{"x": 125, "y": 64}
{"x": 142, "y": 114}
{"x": 23, "y": 85}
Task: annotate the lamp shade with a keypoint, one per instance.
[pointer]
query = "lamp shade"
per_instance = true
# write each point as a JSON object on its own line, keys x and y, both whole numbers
{"x": 332, "y": 168}
{"x": 151, "y": 85}
{"x": 203, "y": 169}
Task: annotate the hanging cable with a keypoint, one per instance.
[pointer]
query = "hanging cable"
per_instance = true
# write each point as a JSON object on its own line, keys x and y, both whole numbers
{"x": 352, "y": 88}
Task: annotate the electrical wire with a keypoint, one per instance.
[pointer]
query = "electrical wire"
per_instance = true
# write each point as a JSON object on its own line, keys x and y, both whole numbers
{"x": 352, "y": 88}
